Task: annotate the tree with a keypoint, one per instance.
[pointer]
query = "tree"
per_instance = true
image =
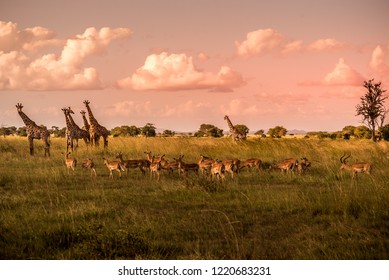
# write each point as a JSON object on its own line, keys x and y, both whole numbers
{"x": 362, "y": 132}
{"x": 385, "y": 132}
{"x": 348, "y": 131}
{"x": 260, "y": 133}
{"x": 209, "y": 130}
{"x": 134, "y": 131}
{"x": 372, "y": 108}
{"x": 168, "y": 133}
{"x": 277, "y": 131}
{"x": 148, "y": 130}
{"x": 242, "y": 128}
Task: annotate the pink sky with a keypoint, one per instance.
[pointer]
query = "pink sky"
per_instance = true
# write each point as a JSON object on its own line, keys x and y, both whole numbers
{"x": 178, "y": 64}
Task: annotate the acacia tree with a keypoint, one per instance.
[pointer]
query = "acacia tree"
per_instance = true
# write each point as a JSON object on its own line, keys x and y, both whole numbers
{"x": 372, "y": 108}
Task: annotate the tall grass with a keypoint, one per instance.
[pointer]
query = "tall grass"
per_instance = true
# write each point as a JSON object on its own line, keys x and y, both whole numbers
{"x": 323, "y": 214}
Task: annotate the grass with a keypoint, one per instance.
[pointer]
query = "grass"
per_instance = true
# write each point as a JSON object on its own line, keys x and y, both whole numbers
{"x": 47, "y": 214}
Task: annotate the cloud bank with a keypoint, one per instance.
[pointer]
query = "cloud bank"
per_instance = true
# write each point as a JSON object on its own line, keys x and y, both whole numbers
{"x": 20, "y": 70}
{"x": 169, "y": 72}
{"x": 263, "y": 41}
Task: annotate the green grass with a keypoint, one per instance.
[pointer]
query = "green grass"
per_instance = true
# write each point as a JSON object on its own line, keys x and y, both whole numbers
{"x": 47, "y": 214}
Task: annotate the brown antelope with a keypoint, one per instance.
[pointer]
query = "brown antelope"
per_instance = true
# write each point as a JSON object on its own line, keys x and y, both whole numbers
{"x": 142, "y": 164}
{"x": 186, "y": 167}
{"x": 287, "y": 165}
{"x": 114, "y": 165}
{"x": 303, "y": 165}
{"x": 231, "y": 166}
{"x": 70, "y": 162}
{"x": 355, "y": 168}
{"x": 252, "y": 163}
{"x": 205, "y": 164}
{"x": 163, "y": 162}
{"x": 217, "y": 170}
{"x": 155, "y": 166}
{"x": 89, "y": 164}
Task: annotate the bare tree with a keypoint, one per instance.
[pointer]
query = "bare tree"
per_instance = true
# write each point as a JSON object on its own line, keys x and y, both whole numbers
{"x": 372, "y": 108}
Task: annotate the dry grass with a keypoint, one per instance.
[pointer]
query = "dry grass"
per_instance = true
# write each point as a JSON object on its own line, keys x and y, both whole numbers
{"x": 324, "y": 214}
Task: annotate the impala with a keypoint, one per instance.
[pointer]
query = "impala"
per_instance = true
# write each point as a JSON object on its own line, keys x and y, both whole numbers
{"x": 155, "y": 166}
{"x": 355, "y": 168}
{"x": 89, "y": 164}
{"x": 287, "y": 165}
{"x": 205, "y": 164}
{"x": 303, "y": 165}
{"x": 70, "y": 162}
{"x": 142, "y": 164}
{"x": 231, "y": 166}
{"x": 252, "y": 163}
{"x": 113, "y": 165}
{"x": 217, "y": 170}
{"x": 186, "y": 167}
{"x": 163, "y": 162}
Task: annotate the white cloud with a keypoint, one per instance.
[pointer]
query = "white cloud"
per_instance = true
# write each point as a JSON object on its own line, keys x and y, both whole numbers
{"x": 52, "y": 72}
{"x": 29, "y": 39}
{"x": 343, "y": 75}
{"x": 264, "y": 41}
{"x": 177, "y": 72}
{"x": 259, "y": 41}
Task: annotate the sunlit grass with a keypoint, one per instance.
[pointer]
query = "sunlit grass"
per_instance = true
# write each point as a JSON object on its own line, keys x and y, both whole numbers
{"x": 323, "y": 214}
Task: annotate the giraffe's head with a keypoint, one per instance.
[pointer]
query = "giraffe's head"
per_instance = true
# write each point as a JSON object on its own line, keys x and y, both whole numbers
{"x": 83, "y": 112}
{"x": 70, "y": 111}
{"x": 65, "y": 110}
{"x": 225, "y": 117}
{"x": 86, "y": 102}
{"x": 19, "y": 106}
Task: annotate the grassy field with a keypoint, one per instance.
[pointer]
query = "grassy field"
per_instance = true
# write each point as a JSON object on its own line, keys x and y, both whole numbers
{"x": 323, "y": 214}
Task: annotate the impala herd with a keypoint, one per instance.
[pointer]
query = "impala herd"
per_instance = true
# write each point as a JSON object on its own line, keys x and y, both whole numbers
{"x": 206, "y": 166}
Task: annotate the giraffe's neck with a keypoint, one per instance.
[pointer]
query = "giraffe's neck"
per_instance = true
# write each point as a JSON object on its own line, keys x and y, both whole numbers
{"x": 73, "y": 124}
{"x": 230, "y": 125}
{"x": 27, "y": 121}
{"x": 86, "y": 124}
{"x": 68, "y": 124}
{"x": 92, "y": 119}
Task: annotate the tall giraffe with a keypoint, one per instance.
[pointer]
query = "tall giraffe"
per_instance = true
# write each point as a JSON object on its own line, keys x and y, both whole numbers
{"x": 236, "y": 134}
{"x": 70, "y": 132}
{"x": 86, "y": 124}
{"x": 95, "y": 129}
{"x": 78, "y": 132}
{"x": 34, "y": 131}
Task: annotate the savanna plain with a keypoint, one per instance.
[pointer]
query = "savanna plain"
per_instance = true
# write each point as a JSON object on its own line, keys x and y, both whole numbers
{"x": 46, "y": 213}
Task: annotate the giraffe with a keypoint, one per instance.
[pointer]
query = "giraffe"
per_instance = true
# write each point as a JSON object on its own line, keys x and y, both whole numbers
{"x": 70, "y": 131}
{"x": 34, "y": 131}
{"x": 236, "y": 134}
{"x": 78, "y": 132}
{"x": 86, "y": 124}
{"x": 95, "y": 129}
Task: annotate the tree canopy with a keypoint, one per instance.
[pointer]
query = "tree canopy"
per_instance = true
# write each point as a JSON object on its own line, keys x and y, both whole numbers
{"x": 372, "y": 106}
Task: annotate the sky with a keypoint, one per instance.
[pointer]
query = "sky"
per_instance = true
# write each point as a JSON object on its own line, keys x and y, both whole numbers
{"x": 178, "y": 63}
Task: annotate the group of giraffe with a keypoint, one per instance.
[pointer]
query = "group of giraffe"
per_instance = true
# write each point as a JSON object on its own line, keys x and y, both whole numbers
{"x": 90, "y": 133}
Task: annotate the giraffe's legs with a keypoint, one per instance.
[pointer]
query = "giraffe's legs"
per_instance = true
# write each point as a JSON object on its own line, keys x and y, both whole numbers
{"x": 47, "y": 146}
{"x": 105, "y": 141}
{"x": 31, "y": 142}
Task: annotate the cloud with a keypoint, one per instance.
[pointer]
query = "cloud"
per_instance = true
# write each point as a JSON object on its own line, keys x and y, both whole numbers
{"x": 264, "y": 41}
{"x": 240, "y": 107}
{"x": 378, "y": 64}
{"x": 341, "y": 75}
{"x": 259, "y": 41}
{"x": 177, "y": 72}
{"x": 18, "y": 70}
{"x": 326, "y": 44}
{"x": 14, "y": 39}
